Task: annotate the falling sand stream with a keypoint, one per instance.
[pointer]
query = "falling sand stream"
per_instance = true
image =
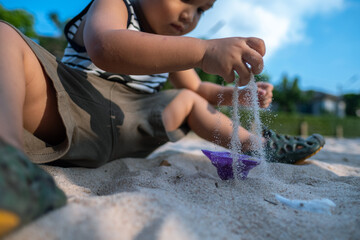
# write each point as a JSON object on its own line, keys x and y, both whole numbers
{"x": 237, "y": 163}
{"x": 256, "y": 146}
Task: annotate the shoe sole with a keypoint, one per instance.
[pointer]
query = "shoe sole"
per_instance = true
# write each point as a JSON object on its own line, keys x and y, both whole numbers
{"x": 8, "y": 221}
{"x": 302, "y": 161}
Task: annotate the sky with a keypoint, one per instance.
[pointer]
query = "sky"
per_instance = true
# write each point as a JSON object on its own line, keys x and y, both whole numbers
{"x": 317, "y": 41}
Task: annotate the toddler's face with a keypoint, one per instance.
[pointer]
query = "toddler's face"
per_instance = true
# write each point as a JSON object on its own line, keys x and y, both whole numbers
{"x": 174, "y": 17}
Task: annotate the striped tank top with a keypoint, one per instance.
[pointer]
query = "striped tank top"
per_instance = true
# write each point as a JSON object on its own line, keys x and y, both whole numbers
{"x": 76, "y": 56}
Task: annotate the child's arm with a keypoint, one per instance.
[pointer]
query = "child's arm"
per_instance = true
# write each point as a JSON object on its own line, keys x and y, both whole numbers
{"x": 211, "y": 92}
{"x": 115, "y": 49}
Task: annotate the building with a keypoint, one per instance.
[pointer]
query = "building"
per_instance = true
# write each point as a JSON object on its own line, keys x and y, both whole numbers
{"x": 327, "y": 103}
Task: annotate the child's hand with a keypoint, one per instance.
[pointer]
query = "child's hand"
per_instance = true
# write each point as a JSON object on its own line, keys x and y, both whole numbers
{"x": 264, "y": 93}
{"x": 243, "y": 55}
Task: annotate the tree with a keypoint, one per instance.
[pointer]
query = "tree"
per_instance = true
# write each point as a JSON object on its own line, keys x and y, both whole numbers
{"x": 24, "y": 21}
{"x": 352, "y": 103}
{"x": 55, "y": 45}
{"x": 21, "y": 19}
{"x": 209, "y": 77}
{"x": 264, "y": 77}
{"x": 287, "y": 94}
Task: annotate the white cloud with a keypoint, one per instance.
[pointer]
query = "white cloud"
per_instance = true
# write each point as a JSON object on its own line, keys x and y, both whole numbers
{"x": 278, "y": 22}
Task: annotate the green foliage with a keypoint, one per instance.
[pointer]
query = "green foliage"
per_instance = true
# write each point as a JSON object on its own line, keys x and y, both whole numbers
{"x": 209, "y": 77}
{"x": 219, "y": 80}
{"x": 21, "y": 19}
{"x": 24, "y": 21}
{"x": 288, "y": 95}
{"x": 288, "y": 123}
{"x": 203, "y": 76}
{"x": 352, "y": 103}
{"x": 167, "y": 86}
{"x": 55, "y": 45}
{"x": 325, "y": 124}
{"x": 54, "y": 17}
{"x": 264, "y": 77}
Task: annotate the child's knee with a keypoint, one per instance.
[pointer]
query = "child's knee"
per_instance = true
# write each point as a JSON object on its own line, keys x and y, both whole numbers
{"x": 10, "y": 39}
{"x": 6, "y": 32}
{"x": 182, "y": 104}
{"x": 191, "y": 95}
{"x": 3, "y": 28}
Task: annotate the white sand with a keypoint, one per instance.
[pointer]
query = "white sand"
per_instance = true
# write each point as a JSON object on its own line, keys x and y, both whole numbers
{"x": 139, "y": 199}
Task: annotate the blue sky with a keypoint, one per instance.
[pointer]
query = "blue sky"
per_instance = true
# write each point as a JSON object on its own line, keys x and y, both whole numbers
{"x": 316, "y": 40}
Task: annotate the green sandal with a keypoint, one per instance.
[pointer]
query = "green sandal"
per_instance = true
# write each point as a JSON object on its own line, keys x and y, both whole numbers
{"x": 292, "y": 150}
{"x": 26, "y": 191}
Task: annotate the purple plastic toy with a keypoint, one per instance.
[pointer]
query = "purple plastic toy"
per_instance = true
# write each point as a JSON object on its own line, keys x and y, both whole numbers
{"x": 223, "y": 163}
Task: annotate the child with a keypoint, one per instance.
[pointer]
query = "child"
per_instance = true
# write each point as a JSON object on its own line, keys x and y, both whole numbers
{"x": 102, "y": 102}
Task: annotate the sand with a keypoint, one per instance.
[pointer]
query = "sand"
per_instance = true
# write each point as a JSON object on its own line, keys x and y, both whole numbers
{"x": 176, "y": 194}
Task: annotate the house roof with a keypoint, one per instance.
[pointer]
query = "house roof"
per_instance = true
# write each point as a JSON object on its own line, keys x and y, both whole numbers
{"x": 323, "y": 96}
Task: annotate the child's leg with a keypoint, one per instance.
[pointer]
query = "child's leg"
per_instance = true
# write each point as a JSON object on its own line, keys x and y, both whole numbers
{"x": 27, "y": 98}
{"x": 203, "y": 119}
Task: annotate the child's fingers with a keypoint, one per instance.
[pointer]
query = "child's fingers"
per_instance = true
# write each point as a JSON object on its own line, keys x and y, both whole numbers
{"x": 244, "y": 74}
{"x": 266, "y": 87}
{"x": 267, "y": 103}
{"x": 257, "y": 44}
{"x": 265, "y": 94}
{"x": 261, "y": 92}
{"x": 230, "y": 77}
{"x": 255, "y": 60}
{"x": 243, "y": 55}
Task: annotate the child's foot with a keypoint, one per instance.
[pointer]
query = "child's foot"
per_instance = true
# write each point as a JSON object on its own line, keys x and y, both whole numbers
{"x": 292, "y": 150}
{"x": 26, "y": 191}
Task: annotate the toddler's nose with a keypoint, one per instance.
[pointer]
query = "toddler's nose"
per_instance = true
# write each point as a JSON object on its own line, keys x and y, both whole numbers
{"x": 187, "y": 16}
